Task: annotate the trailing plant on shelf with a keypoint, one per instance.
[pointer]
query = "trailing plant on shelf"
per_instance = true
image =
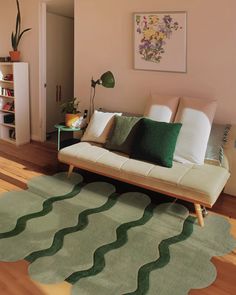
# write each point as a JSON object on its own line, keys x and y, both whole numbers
{"x": 17, "y": 35}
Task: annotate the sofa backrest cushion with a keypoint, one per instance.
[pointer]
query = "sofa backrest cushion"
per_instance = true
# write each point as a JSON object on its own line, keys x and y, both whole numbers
{"x": 99, "y": 127}
{"x": 196, "y": 115}
{"x": 161, "y": 107}
{"x": 155, "y": 142}
{"x": 122, "y": 134}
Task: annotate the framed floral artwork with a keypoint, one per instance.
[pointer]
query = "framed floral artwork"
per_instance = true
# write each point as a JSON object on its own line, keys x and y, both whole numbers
{"x": 160, "y": 41}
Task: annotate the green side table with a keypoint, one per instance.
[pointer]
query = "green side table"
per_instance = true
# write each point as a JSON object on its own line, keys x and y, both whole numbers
{"x": 61, "y": 128}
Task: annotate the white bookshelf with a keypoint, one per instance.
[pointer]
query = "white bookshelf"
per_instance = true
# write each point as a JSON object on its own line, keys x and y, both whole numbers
{"x": 14, "y": 93}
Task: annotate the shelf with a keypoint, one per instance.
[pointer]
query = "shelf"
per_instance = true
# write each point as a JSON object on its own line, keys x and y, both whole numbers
{"x": 6, "y": 111}
{"x": 14, "y": 100}
{"x": 7, "y": 81}
{"x": 6, "y": 63}
{"x": 8, "y": 125}
{"x": 8, "y": 97}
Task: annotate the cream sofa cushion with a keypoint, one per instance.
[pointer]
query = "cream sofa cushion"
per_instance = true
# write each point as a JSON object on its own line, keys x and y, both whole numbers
{"x": 196, "y": 183}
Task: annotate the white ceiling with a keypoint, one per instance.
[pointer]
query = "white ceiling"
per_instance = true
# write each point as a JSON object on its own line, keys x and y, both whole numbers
{"x": 61, "y": 7}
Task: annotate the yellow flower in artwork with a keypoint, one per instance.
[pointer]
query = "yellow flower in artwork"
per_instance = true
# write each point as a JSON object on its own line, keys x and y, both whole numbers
{"x": 161, "y": 35}
{"x": 148, "y": 33}
{"x": 153, "y": 19}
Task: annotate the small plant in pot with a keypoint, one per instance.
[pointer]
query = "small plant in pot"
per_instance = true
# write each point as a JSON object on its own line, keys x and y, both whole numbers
{"x": 17, "y": 35}
{"x": 71, "y": 110}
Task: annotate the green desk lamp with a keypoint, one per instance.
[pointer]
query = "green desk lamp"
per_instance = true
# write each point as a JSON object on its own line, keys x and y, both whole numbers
{"x": 107, "y": 80}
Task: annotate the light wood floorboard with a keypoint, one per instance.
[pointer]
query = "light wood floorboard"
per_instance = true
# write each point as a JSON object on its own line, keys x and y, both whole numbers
{"x": 18, "y": 165}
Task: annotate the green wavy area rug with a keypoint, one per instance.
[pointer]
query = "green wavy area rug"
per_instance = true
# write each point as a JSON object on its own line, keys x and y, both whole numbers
{"x": 105, "y": 243}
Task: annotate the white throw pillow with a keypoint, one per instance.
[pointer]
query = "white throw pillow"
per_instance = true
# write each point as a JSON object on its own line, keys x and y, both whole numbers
{"x": 161, "y": 108}
{"x": 99, "y": 127}
{"x": 196, "y": 116}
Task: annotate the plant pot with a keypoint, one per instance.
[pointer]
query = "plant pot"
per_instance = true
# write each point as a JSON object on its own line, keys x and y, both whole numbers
{"x": 15, "y": 55}
{"x": 70, "y": 119}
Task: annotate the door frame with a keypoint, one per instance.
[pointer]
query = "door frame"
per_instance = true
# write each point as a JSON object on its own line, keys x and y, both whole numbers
{"x": 42, "y": 69}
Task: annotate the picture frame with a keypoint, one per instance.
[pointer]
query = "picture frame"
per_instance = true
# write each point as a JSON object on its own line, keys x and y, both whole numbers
{"x": 160, "y": 41}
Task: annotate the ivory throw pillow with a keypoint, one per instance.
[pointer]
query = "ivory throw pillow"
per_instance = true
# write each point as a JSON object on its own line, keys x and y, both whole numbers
{"x": 99, "y": 127}
{"x": 161, "y": 107}
{"x": 196, "y": 116}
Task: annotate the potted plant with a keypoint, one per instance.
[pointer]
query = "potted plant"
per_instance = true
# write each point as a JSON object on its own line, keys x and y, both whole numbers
{"x": 16, "y": 37}
{"x": 71, "y": 111}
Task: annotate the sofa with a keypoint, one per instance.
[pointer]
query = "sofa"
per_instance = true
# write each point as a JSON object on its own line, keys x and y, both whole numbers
{"x": 187, "y": 179}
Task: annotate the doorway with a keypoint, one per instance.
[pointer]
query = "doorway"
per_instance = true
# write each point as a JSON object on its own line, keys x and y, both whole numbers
{"x": 58, "y": 57}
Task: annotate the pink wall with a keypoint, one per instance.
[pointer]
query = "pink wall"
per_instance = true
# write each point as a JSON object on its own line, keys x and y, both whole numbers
{"x": 104, "y": 40}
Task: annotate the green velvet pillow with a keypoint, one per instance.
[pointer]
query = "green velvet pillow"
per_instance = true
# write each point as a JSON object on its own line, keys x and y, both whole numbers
{"x": 155, "y": 142}
{"x": 122, "y": 135}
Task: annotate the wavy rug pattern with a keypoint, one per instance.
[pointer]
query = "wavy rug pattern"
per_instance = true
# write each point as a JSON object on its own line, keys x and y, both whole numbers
{"x": 107, "y": 243}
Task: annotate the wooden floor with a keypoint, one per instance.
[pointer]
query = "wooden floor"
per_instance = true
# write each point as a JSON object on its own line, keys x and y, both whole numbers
{"x": 18, "y": 165}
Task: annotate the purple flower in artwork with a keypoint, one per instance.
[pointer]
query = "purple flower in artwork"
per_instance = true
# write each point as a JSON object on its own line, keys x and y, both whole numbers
{"x": 139, "y": 30}
{"x": 167, "y": 19}
{"x": 175, "y": 25}
{"x": 144, "y": 45}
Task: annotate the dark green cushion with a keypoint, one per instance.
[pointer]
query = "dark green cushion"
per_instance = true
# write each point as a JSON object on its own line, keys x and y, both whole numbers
{"x": 155, "y": 142}
{"x": 122, "y": 135}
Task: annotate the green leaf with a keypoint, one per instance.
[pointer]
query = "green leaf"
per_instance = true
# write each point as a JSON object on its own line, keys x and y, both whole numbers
{"x": 13, "y": 41}
{"x": 70, "y": 106}
{"x": 21, "y": 34}
{"x": 17, "y": 24}
{"x": 18, "y": 19}
{"x": 18, "y": 13}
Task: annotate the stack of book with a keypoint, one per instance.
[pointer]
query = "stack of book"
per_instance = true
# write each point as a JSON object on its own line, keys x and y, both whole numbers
{"x": 6, "y": 91}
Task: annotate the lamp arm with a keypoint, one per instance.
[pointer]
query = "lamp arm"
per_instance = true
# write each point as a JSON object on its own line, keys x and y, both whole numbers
{"x": 92, "y": 95}
{"x": 94, "y": 92}
{"x": 94, "y": 83}
{"x": 91, "y": 103}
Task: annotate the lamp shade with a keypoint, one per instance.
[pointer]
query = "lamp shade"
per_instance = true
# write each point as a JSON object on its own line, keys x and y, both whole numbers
{"x": 108, "y": 80}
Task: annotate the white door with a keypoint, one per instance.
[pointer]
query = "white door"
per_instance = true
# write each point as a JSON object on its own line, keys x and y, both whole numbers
{"x": 60, "y": 66}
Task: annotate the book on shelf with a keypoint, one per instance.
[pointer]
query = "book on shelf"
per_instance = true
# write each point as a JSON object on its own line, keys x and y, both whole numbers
{"x": 6, "y": 91}
{"x": 9, "y": 106}
{"x": 9, "y": 119}
{"x": 12, "y": 134}
{"x": 8, "y": 77}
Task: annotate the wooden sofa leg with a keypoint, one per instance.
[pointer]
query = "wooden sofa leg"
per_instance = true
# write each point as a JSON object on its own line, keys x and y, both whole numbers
{"x": 198, "y": 211}
{"x": 70, "y": 171}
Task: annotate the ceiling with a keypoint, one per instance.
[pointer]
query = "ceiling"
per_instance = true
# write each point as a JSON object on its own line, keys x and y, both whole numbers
{"x": 61, "y": 7}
